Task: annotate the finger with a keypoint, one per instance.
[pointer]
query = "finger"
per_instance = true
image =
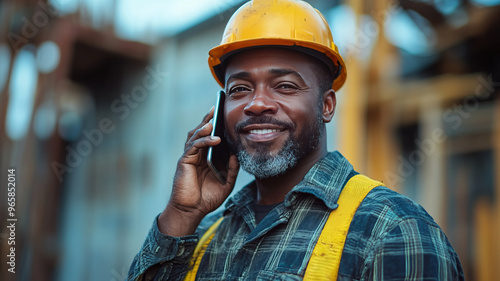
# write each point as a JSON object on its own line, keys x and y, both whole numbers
{"x": 192, "y": 152}
{"x": 205, "y": 120}
{"x": 203, "y": 131}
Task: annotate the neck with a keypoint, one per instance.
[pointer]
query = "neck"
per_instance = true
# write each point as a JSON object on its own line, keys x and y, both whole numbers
{"x": 273, "y": 190}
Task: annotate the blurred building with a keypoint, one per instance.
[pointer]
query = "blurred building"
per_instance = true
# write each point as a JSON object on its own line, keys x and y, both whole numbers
{"x": 93, "y": 117}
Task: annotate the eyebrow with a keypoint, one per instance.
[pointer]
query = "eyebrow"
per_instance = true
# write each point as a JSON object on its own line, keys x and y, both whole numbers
{"x": 286, "y": 71}
{"x": 238, "y": 75}
{"x": 274, "y": 71}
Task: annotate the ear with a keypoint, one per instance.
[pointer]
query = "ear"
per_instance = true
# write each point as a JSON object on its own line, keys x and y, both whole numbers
{"x": 329, "y": 104}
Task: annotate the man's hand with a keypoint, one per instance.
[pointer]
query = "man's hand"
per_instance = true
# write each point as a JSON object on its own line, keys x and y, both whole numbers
{"x": 196, "y": 191}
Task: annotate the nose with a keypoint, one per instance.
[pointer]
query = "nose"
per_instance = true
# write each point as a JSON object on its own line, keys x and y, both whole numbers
{"x": 261, "y": 103}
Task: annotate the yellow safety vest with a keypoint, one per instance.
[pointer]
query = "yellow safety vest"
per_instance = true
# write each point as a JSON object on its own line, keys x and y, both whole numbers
{"x": 325, "y": 259}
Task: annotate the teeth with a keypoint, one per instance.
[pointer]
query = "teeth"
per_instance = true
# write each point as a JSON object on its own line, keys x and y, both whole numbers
{"x": 263, "y": 131}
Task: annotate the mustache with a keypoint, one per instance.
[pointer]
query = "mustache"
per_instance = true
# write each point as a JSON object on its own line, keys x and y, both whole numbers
{"x": 265, "y": 119}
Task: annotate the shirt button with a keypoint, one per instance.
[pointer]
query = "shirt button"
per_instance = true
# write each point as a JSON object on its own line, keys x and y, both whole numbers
{"x": 180, "y": 250}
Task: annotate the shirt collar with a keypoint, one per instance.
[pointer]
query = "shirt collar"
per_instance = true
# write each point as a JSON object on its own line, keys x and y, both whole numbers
{"x": 244, "y": 197}
{"x": 325, "y": 180}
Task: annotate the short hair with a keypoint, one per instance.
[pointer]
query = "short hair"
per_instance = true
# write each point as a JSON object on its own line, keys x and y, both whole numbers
{"x": 324, "y": 76}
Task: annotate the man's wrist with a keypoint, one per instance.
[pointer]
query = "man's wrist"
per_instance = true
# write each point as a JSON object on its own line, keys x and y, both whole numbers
{"x": 178, "y": 223}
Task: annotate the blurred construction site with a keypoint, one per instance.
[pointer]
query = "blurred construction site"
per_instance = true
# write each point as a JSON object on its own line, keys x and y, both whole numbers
{"x": 97, "y": 97}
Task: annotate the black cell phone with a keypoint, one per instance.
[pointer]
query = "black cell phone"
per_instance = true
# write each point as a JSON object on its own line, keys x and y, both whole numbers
{"x": 218, "y": 156}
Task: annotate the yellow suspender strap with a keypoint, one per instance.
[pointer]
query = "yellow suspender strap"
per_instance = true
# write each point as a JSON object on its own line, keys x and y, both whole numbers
{"x": 325, "y": 259}
{"x": 200, "y": 249}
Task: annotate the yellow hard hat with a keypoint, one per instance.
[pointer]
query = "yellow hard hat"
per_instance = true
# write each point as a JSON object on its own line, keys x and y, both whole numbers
{"x": 283, "y": 23}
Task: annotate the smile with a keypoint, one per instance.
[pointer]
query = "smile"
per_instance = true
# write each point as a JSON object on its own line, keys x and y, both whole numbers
{"x": 263, "y": 131}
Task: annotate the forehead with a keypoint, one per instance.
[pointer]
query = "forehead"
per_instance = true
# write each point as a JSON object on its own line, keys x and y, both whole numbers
{"x": 261, "y": 59}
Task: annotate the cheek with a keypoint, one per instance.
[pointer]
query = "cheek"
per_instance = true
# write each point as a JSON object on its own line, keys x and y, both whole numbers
{"x": 232, "y": 115}
{"x": 306, "y": 122}
{"x": 301, "y": 111}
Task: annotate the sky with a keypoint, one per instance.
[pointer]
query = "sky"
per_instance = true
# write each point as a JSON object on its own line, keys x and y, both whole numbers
{"x": 147, "y": 20}
{"x": 150, "y": 20}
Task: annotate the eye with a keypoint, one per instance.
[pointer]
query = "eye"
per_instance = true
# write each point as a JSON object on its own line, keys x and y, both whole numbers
{"x": 238, "y": 89}
{"x": 286, "y": 87}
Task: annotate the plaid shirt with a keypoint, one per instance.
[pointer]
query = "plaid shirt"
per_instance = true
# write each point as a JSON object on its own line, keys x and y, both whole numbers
{"x": 390, "y": 237}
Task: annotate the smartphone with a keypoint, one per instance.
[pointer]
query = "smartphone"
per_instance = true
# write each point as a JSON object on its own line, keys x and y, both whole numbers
{"x": 218, "y": 156}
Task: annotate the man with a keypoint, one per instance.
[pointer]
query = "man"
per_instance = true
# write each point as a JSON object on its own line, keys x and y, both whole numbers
{"x": 280, "y": 70}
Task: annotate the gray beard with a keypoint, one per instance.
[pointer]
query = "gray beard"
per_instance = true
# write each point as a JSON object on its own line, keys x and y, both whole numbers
{"x": 264, "y": 166}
